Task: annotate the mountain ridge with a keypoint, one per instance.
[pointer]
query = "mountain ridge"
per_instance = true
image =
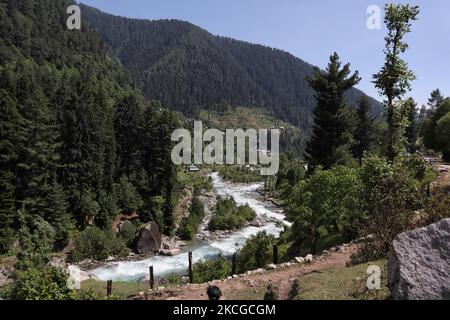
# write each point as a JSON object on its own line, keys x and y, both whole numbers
{"x": 186, "y": 68}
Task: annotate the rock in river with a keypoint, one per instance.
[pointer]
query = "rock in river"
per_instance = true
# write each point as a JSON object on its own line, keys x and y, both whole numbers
{"x": 149, "y": 239}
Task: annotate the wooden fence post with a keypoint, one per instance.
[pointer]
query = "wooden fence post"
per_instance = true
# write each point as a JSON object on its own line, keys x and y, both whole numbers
{"x": 234, "y": 264}
{"x": 108, "y": 288}
{"x": 191, "y": 273}
{"x": 152, "y": 279}
{"x": 275, "y": 254}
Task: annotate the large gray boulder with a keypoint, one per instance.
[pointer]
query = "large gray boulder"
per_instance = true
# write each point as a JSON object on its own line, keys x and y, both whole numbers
{"x": 149, "y": 239}
{"x": 419, "y": 265}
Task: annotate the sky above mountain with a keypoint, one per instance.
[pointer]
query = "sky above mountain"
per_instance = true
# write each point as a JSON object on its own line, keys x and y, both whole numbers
{"x": 312, "y": 30}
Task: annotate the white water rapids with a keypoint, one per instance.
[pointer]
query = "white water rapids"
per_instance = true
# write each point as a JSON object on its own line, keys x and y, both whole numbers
{"x": 164, "y": 265}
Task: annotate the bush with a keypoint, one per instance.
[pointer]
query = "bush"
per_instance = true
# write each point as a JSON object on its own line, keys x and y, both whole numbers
{"x": 390, "y": 198}
{"x": 128, "y": 233}
{"x": 239, "y": 174}
{"x": 256, "y": 252}
{"x": 272, "y": 293}
{"x": 205, "y": 271}
{"x": 95, "y": 243}
{"x": 436, "y": 209}
{"x": 189, "y": 226}
{"x": 327, "y": 200}
{"x": 45, "y": 283}
{"x": 229, "y": 216}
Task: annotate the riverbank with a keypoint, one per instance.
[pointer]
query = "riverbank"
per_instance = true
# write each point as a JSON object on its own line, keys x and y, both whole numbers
{"x": 226, "y": 242}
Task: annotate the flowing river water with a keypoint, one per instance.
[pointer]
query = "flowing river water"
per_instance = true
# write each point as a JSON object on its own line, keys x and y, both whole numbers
{"x": 164, "y": 265}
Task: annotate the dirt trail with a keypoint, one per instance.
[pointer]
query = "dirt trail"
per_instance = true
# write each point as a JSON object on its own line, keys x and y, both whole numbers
{"x": 281, "y": 278}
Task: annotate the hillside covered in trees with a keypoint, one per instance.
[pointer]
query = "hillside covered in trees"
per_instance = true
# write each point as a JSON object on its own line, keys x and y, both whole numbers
{"x": 185, "y": 68}
{"x": 70, "y": 123}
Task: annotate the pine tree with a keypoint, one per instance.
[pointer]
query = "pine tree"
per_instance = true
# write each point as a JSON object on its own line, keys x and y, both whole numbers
{"x": 411, "y": 129}
{"x": 330, "y": 138}
{"x": 435, "y": 100}
{"x": 362, "y": 134}
{"x": 10, "y": 132}
{"x": 393, "y": 80}
{"x": 128, "y": 130}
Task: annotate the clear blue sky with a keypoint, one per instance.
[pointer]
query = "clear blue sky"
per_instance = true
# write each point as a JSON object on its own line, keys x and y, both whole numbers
{"x": 313, "y": 29}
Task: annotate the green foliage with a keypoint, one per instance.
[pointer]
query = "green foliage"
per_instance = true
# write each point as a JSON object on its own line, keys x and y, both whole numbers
{"x": 45, "y": 283}
{"x": 443, "y": 136}
{"x": 436, "y": 208}
{"x": 389, "y": 198}
{"x": 229, "y": 215}
{"x": 189, "y": 226}
{"x": 128, "y": 233}
{"x": 72, "y": 127}
{"x": 256, "y": 252}
{"x": 394, "y": 78}
{"x": 128, "y": 199}
{"x": 240, "y": 174}
{"x": 209, "y": 270}
{"x": 411, "y": 131}
{"x": 363, "y": 135}
{"x": 328, "y": 199}
{"x": 331, "y": 136}
{"x": 95, "y": 243}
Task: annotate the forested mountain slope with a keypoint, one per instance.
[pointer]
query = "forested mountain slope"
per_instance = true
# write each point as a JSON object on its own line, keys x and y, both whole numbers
{"x": 77, "y": 142}
{"x": 185, "y": 67}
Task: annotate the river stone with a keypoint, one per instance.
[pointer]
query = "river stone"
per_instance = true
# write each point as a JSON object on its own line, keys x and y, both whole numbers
{"x": 149, "y": 239}
{"x": 419, "y": 264}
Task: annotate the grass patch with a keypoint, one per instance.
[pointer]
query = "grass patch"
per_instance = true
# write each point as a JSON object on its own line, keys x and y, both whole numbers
{"x": 342, "y": 284}
{"x": 120, "y": 289}
{"x": 330, "y": 284}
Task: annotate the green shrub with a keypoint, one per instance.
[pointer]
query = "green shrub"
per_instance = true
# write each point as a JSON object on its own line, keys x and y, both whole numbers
{"x": 128, "y": 233}
{"x": 239, "y": 174}
{"x": 189, "y": 226}
{"x": 45, "y": 283}
{"x": 229, "y": 216}
{"x": 205, "y": 271}
{"x": 256, "y": 252}
{"x": 95, "y": 243}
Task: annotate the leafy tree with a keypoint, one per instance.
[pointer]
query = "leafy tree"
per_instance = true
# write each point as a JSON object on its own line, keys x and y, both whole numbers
{"x": 394, "y": 78}
{"x": 362, "y": 135}
{"x": 328, "y": 199}
{"x": 45, "y": 283}
{"x": 389, "y": 198}
{"x": 443, "y": 136}
{"x": 428, "y": 126}
{"x": 331, "y": 131}
{"x": 97, "y": 244}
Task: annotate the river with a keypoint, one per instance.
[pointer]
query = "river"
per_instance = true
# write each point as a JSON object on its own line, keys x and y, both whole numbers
{"x": 164, "y": 265}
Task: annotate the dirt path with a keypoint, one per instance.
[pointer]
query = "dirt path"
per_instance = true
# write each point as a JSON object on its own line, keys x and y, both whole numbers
{"x": 281, "y": 278}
